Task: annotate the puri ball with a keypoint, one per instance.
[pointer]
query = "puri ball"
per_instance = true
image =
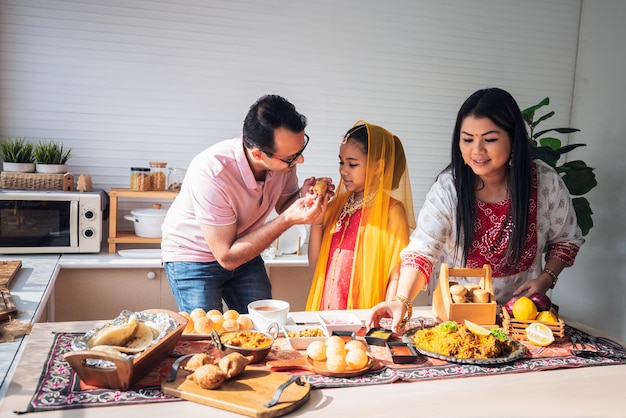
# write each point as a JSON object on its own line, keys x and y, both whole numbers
{"x": 197, "y": 313}
{"x": 230, "y": 325}
{"x": 335, "y": 350}
{"x": 217, "y": 320}
{"x": 245, "y": 323}
{"x": 231, "y": 314}
{"x": 189, "y": 328}
{"x": 355, "y": 345}
{"x": 213, "y": 312}
{"x": 203, "y": 325}
{"x": 336, "y": 364}
{"x": 335, "y": 340}
{"x": 356, "y": 359}
{"x": 316, "y": 350}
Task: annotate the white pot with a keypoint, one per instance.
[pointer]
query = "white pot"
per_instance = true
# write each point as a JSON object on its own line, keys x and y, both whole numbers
{"x": 147, "y": 222}
{"x": 52, "y": 168}
{"x": 18, "y": 167}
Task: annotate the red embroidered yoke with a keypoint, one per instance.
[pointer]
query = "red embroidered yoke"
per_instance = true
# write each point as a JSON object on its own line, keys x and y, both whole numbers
{"x": 339, "y": 266}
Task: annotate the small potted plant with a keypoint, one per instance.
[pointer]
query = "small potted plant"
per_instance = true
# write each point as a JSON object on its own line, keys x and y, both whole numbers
{"x": 51, "y": 157}
{"x": 18, "y": 155}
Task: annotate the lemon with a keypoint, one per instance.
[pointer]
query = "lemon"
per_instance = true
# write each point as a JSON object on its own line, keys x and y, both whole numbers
{"x": 524, "y": 308}
{"x": 476, "y": 329}
{"x": 547, "y": 316}
{"x": 539, "y": 334}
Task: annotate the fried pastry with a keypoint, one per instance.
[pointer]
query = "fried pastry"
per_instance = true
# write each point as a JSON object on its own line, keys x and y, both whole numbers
{"x": 198, "y": 360}
{"x": 208, "y": 376}
{"x": 320, "y": 187}
{"x": 233, "y": 364}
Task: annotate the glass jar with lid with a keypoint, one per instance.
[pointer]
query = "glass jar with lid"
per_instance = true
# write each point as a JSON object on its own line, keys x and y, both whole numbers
{"x": 158, "y": 175}
{"x": 175, "y": 179}
{"x": 140, "y": 180}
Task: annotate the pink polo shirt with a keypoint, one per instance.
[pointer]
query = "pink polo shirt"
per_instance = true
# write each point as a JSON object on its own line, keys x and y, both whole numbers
{"x": 220, "y": 189}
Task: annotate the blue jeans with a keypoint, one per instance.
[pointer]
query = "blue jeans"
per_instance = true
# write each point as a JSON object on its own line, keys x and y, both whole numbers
{"x": 204, "y": 285}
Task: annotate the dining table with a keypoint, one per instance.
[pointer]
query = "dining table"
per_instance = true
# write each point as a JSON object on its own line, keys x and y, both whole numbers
{"x": 560, "y": 392}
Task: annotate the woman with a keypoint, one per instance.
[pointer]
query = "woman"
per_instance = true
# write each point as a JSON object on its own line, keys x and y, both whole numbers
{"x": 356, "y": 248}
{"x": 493, "y": 204}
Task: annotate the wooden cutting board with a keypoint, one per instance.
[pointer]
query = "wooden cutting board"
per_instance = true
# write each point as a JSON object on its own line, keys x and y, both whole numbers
{"x": 246, "y": 394}
{"x": 8, "y": 270}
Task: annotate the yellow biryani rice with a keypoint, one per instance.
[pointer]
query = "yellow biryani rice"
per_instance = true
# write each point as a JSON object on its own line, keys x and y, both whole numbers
{"x": 461, "y": 343}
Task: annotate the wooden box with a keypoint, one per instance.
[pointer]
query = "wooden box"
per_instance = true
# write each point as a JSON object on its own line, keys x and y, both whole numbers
{"x": 479, "y": 313}
{"x": 126, "y": 372}
{"x": 516, "y": 328}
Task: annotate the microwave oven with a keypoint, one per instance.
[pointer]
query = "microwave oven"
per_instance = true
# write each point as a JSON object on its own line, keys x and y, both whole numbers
{"x": 50, "y": 221}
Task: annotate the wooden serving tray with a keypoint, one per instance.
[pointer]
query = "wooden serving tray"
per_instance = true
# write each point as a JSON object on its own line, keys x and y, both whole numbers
{"x": 8, "y": 270}
{"x": 125, "y": 372}
{"x": 246, "y": 394}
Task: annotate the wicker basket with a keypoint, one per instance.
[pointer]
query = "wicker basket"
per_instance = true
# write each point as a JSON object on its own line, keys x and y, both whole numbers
{"x": 516, "y": 328}
{"x": 36, "y": 181}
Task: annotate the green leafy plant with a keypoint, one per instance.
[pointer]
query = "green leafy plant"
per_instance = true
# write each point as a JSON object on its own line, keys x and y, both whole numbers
{"x": 51, "y": 153}
{"x": 578, "y": 177}
{"x": 17, "y": 150}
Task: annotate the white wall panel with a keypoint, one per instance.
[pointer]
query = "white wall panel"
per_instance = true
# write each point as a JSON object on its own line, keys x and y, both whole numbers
{"x": 126, "y": 82}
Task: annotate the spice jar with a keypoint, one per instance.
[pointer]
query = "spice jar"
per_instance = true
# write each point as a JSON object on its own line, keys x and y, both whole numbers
{"x": 175, "y": 179}
{"x": 158, "y": 175}
{"x": 140, "y": 179}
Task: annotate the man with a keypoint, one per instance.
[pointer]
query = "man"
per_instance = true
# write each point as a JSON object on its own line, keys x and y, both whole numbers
{"x": 215, "y": 230}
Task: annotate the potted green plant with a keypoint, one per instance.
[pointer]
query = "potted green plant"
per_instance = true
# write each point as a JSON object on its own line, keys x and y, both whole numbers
{"x": 51, "y": 157}
{"x": 18, "y": 155}
{"x": 578, "y": 177}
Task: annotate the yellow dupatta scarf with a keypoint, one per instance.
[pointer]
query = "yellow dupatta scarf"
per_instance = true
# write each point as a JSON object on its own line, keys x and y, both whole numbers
{"x": 384, "y": 229}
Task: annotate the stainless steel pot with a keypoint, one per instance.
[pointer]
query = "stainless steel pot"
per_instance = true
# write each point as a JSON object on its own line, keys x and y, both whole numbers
{"x": 258, "y": 354}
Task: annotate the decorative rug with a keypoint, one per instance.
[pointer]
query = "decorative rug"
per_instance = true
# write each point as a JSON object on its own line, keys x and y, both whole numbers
{"x": 60, "y": 388}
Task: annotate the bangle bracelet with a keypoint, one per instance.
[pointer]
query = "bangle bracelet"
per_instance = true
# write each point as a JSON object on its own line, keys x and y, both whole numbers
{"x": 407, "y": 305}
{"x": 552, "y": 274}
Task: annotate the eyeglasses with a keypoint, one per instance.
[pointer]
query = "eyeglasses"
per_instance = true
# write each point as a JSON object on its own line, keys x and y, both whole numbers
{"x": 293, "y": 159}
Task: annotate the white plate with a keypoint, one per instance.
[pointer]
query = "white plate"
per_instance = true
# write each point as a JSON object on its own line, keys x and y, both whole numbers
{"x": 340, "y": 321}
{"x": 288, "y": 241}
{"x": 141, "y": 253}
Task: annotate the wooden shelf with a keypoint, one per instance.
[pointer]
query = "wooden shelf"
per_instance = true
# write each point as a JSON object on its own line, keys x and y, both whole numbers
{"x": 126, "y": 237}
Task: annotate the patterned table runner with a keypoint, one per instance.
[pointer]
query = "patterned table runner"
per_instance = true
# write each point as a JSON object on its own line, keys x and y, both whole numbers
{"x": 60, "y": 388}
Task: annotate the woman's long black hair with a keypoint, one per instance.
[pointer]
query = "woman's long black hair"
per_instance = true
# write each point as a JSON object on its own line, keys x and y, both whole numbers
{"x": 502, "y": 109}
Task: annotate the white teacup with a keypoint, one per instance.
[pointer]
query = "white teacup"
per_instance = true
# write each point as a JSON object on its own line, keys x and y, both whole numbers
{"x": 264, "y": 312}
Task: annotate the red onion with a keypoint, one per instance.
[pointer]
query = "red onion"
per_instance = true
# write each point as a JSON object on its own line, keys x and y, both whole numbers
{"x": 542, "y": 302}
{"x": 509, "y": 305}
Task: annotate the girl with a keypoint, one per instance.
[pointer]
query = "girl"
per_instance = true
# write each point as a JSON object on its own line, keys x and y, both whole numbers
{"x": 356, "y": 247}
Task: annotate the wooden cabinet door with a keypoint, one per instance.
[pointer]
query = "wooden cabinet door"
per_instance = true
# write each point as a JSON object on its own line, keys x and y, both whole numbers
{"x": 100, "y": 294}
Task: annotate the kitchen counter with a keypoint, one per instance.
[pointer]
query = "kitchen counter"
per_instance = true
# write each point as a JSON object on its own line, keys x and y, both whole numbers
{"x": 30, "y": 291}
{"x": 582, "y": 392}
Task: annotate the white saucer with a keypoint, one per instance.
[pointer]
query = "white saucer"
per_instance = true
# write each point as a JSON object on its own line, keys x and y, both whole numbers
{"x": 141, "y": 253}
